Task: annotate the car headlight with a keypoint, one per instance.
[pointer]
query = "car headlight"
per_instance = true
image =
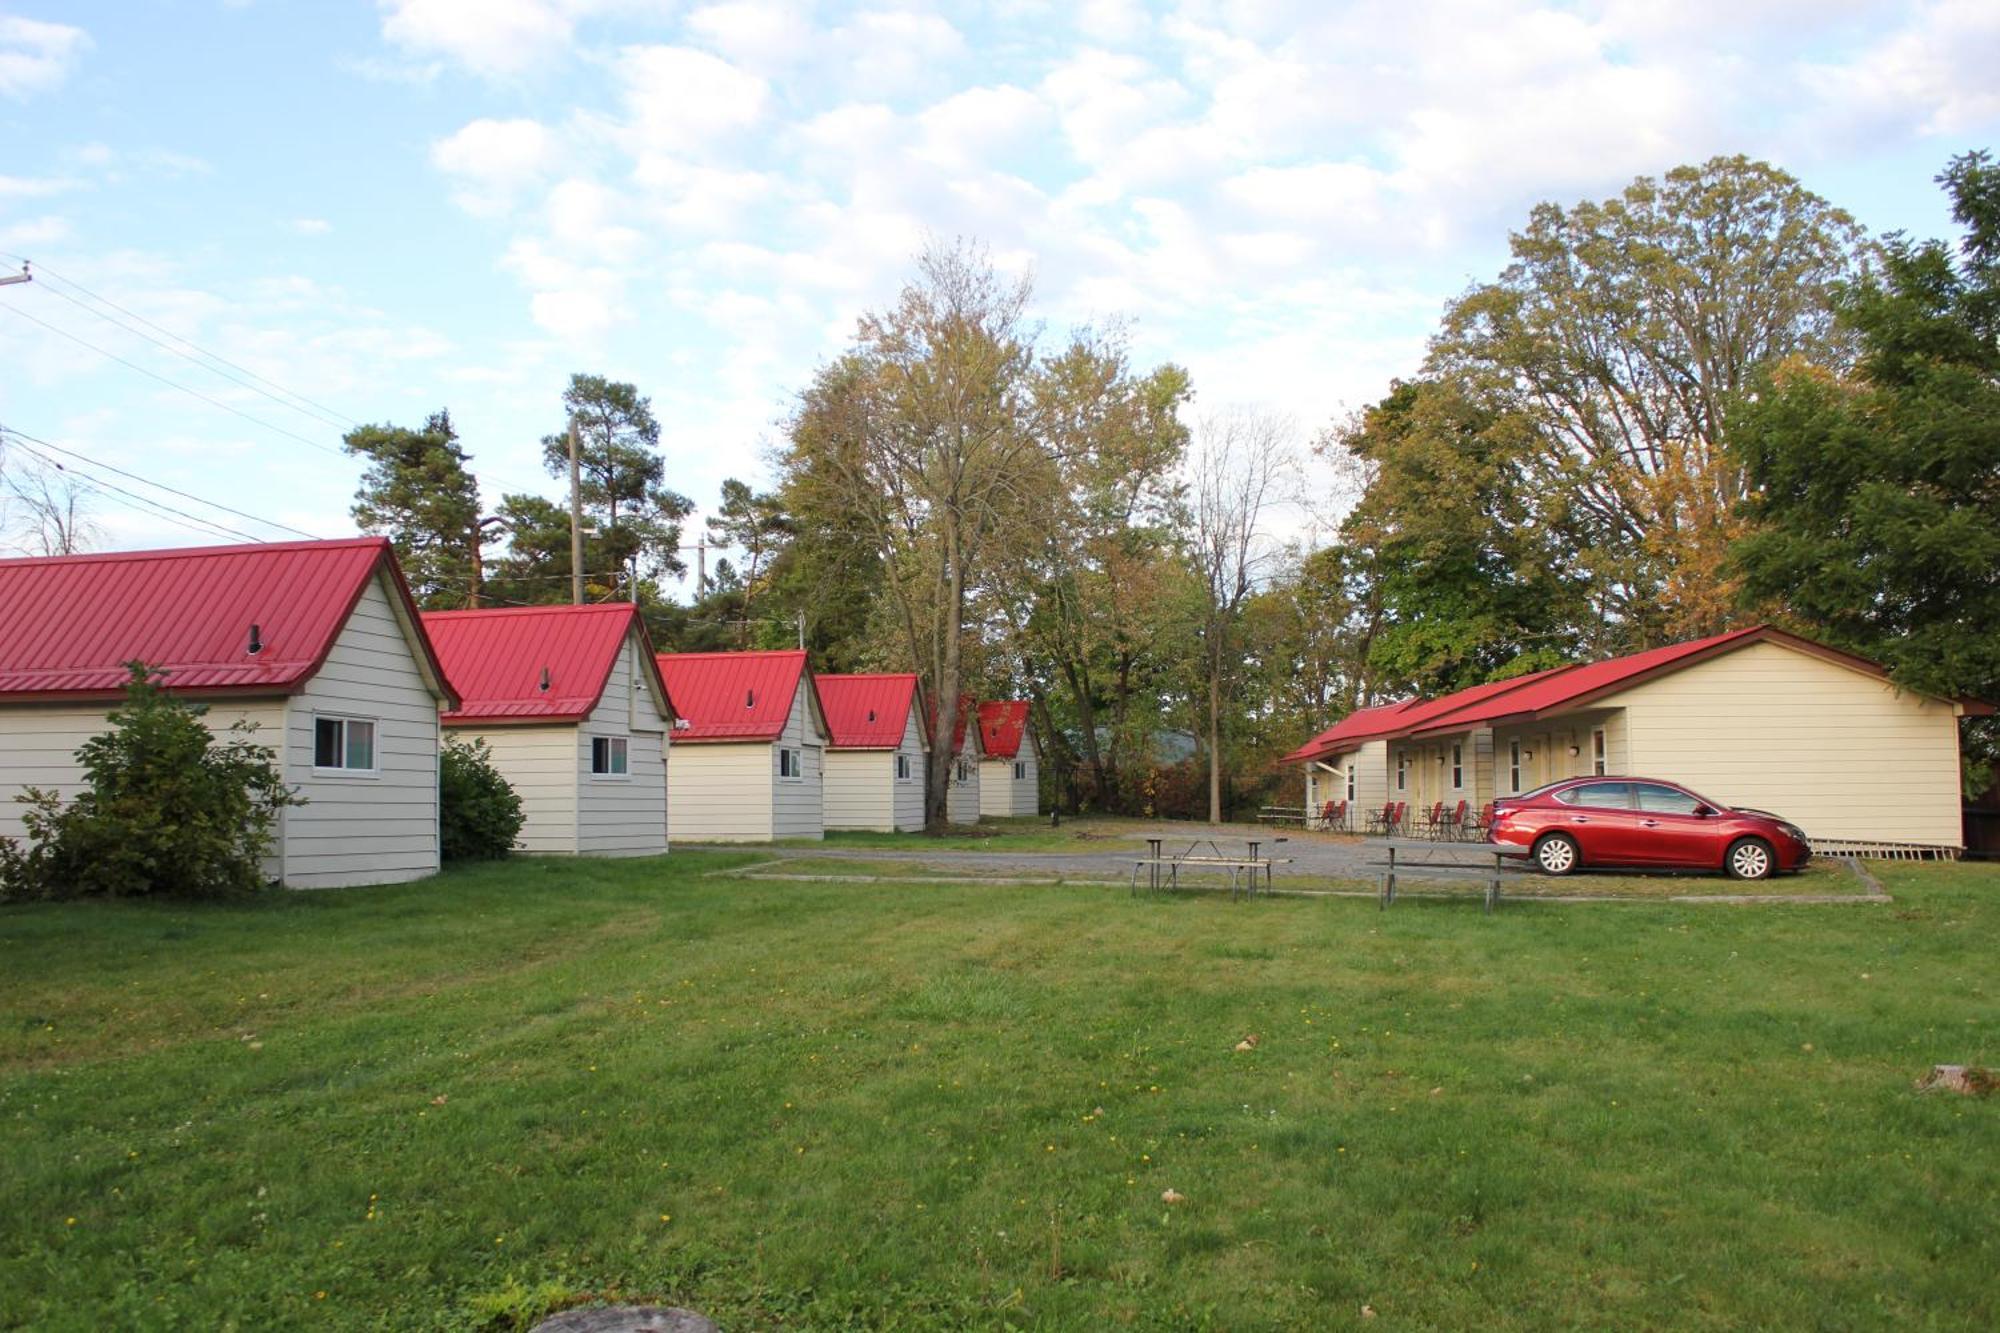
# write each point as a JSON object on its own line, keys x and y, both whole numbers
{"x": 1794, "y": 831}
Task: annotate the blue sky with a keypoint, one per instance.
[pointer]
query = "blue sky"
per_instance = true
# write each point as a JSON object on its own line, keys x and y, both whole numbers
{"x": 392, "y": 207}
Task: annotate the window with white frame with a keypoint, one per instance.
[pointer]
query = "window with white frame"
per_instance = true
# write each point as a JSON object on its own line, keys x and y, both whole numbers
{"x": 902, "y": 768}
{"x": 1597, "y": 755}
{"x": 1513, "y": 766}
{"x": 609, "y": 756}
{"x": 963, "y": 772}
{"x": 344, "y": 744}
{"x": 1020, "y": 771}
{"x": 1350, "y": 780}
{"x": 789, "y": 765}
{"x": 1457, "y": 768}
{"x": 1402, "y": 770}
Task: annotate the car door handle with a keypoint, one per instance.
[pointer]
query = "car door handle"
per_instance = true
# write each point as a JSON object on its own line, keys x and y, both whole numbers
{"x": 1649, "y": 823}
{"x": 1579, "y": 819}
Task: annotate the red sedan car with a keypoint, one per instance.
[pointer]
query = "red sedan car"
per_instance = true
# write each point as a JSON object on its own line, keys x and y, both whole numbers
{"x": 1580, "y": 822}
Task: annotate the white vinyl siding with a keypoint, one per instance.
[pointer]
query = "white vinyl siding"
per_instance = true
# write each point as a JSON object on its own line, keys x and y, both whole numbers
{"x": 38, "y": 745}
{"x": 382, "y": 829}
{"x": 721, "y": 792}
{"x": 864, "y": 792}
{"x": 624, "y": 815}
{"x": 539, "y": 763}
{"x": 798, "y": 807}
{"x": 961, "y": 804}
{"x": 1840, "y": 753}
{"x": 1001, "y": 793}
{"x": 731, "y": 791}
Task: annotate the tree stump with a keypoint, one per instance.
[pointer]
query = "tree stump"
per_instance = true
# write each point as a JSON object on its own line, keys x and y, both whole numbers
{"x": 1965, "y": 1080}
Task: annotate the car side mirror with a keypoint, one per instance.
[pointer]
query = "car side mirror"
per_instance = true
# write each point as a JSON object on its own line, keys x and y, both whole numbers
{"x": 1704, "y": 811}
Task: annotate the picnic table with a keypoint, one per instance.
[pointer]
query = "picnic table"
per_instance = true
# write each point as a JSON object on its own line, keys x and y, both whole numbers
{"x": 1282, "y": 814}
{"x": 1441, "y": 858}
{"x": 1163, "y": 871}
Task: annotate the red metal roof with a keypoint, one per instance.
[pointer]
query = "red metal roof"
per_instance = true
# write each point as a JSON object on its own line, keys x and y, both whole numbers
{"x": 1002, "y": 723}
{"x": 1400, "y": 719}
{"x": 1570, "y": 686}
{"x": 68, "y": 624}
{"x": 867, "y": 712}
{"x": 732, "y": 696}
{"x": 535, "y": 663}
{"x": 1363, "y": 724}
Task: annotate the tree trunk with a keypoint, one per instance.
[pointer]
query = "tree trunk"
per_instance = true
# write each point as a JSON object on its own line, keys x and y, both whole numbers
{"x": 1215, "y": 730}
{"x": 938, "y": 793}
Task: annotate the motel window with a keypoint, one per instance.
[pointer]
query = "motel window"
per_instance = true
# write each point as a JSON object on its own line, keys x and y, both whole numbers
{"x": 1350, "y": 781}
{"x": 902, "y": 768}
{"x": 1514, "y": 766}
{"x": 344, "y": 744}
{"x": 788, "y": 763}
{"x": 1020, "y": 771}
{"x": 1402, "y": 771}
{"x": 1597, "y": 752}
{"x": 609, "y": 756}
{"x": 1457, "y": 768}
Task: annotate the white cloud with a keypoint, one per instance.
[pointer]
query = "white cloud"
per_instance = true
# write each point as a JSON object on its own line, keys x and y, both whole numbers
{"x": 44, "y": 230}
{"x": 1939, "y": 74}
{"x": 36, "y": 57}
{"x": 682, "y": 101}
{"x": 976, "y": 126}
{"x": 763, "y": 35}
{"x": 494, "y": 160}
{"x": 35, "y": 187}
{"x": 311, "y": 226}
{"x": 490, "y": 37}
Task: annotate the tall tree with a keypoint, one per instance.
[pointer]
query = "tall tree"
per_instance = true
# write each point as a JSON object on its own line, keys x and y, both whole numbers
{"x": 1470, "y": 573}
{"x": 44, "y": 508}
{"x": 622, "y": 481}
{"x": 755, "y": 524}
{"x": 1623, "y": 330}
{"x": 1239, "y": 467}
{"x": 420, "y": 494}
{"x": 1877, "y": 495}
{"x": 922, "y": 435}
{"x": 1083, "y": 589}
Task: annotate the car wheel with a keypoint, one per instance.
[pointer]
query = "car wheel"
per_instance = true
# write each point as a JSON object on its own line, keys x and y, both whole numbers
{"x": 1751, "y": 858}
{"x": 1557, "y": 854}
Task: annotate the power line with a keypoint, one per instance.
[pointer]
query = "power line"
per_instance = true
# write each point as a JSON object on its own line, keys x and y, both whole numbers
{"x": 65, "y": 280}
{"x": 158, "y": 485}
{"x": 194, "y": 522}
{"x": 322, "y": 416}
{"x": 195, "y": 393}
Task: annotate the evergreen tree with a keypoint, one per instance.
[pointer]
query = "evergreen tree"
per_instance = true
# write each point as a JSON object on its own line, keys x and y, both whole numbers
{"x": 637, "y": 519}
{"x": 1877, "y": 495}
{"x": 419, "y": 493}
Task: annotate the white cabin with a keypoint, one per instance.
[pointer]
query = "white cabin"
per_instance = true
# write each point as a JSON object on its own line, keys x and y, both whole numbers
{"x": 749, "y": 747}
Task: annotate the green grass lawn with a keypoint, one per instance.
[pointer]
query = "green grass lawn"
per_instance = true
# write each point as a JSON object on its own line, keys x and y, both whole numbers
{"x": 800, "y": 1105}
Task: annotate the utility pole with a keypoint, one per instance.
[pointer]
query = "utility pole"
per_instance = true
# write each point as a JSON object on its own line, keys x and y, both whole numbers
{"x": 479, "y": 539}
{"x": 575, "y": 522}
{"x": 22, "y": 276}
{"x": 700, "y": 567}
{"x": 802, "y": 631}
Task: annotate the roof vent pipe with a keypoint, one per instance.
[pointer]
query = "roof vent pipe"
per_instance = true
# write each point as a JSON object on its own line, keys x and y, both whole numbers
{"x": 871, "y": 715}
{"x": 256, "y": 639}
{"x": 749, "y": 698}
{"x": 544, "y": 686}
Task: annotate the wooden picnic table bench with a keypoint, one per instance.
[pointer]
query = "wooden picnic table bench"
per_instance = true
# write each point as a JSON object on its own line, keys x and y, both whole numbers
{"x": 1156, "y": 860}
{"x": 1282, "y": 814}
{"x": 1446, "y": 858}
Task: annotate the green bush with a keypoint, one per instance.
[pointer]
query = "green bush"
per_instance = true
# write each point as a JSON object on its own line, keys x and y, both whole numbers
{"x": 479, "y": 814}
{"x": 169, "y": 808}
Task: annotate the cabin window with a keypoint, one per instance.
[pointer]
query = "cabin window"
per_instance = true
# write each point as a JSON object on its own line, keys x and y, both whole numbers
{"x": 1350, "y": 781}
{"x": 344, "y": 744}
{"x": 1457, "y": 768}
{"x": 902, "y": 768}
{"x": 788, "y": 763}
{"x": 1020, "y": 771}
{"x": 1514, "y": 766}
{"x": 608, "y": 756}
{"x": 1402, "y": 771}
{"x": 964, "y": 772}
{"x": 1597, "y": 752}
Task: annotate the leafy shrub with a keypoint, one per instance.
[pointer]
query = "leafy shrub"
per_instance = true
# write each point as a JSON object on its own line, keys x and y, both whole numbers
{"x": 168, "y": 808}
{"x": 479, "y": 814}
